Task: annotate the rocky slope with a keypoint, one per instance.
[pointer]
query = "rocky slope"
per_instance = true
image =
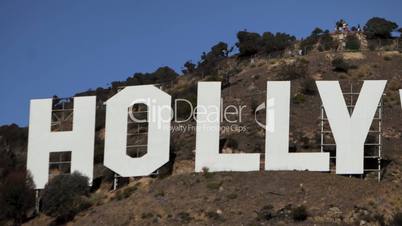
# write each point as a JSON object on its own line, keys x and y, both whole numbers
{"x": 266, "y": 198}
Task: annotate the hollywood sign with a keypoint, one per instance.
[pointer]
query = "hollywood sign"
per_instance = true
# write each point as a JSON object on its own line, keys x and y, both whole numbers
{"x": 350, "y": 132}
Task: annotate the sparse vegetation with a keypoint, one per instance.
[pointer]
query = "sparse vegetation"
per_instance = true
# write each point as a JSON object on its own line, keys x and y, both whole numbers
{"x": 162, "y": 74}
{"x": 379, "y": 28}
{"x": 206, "y": 173}
{"x": 66, "y": 195}
{"x": 311, "y": 41}
{"x": 17, "y": 196}
{"x": 292, "y": 71}
{"x": 214, "y": 216}
{"x": 184, "y": 217}
{"x": 396, "y": 220}
{"x": 216, "y": 65}
{"x": 232, "y": 196}
{"x": 125, "y": 192}
{"x": 251, "y": 43}
{"x": 189, "y": 67}
{"x": 231, "y": 143}
{"x": 276, "y": 42}
{"x": 352, "y": 42}
{"x": 248, "y": 43}
{"x": 214, "y": 185}
{"x": 299, "y": 98}
{"x": 308, "y": 86}
{"x": 266, "y": 213}
{"x": 327, "y": 42}
{"x": 340, "y": 65}
{"x": 300, "y": 213}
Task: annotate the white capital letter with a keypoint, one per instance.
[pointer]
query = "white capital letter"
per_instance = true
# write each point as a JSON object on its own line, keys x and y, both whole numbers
{"x": 80, "y": 141}
{"x": 159, "y": 116}
{"x": 350, "y": 132}
{"x": 277, "y": 139}
{"x": 400, "y": 95}
{"x": 207, "y": 138}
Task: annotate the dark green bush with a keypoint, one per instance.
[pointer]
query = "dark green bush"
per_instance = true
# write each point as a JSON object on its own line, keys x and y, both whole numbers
{"x": 299, "y": 213}
{"x": 277, "y": 42}
{"x": 266, "y": 213}
{"x": 65, "y": 195}
{"x": 295, "y": 70}
{"x": 17, "y": 196}
{"x": 309, "y": 43}
{"x": 206, "y": 173}
{"x": 161, "y": 75}
{"x": 125, "y": 193}
{"x": 209, "y": 61}
{"x": 396, "y": 220}
{"x": 232, "y": 196}
{"x": 308, "y": 86}
{"x": 214, "y": 185}
{"x": 189, "y": 67}
{"x": 379, "y": 28}
{"x": 184, "y": 217}
{"x": 231, "y": 143}
{"x": 214, "y": 216}
{"x": 249, "y": 43}
{"x": 299, "y": 98}
{"x": 340, "y": 65}
{"x": 352, "y": 43}
{"x": 327, "y": 42}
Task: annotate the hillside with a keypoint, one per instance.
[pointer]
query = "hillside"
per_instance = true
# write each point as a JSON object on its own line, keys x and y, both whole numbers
{"x": 177, "y": 196}
{"x": 231, "y": 198}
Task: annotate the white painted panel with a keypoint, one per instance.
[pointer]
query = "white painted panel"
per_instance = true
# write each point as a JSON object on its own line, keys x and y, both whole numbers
{"x": 277, "y": 139}
{"x": 350, "y": 132}
{"x": 207, "y": 138}
{"x": 80, "y": 141}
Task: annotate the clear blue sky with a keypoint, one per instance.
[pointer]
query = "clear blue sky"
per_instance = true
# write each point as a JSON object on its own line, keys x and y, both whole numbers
{"x": 61, "y": 47}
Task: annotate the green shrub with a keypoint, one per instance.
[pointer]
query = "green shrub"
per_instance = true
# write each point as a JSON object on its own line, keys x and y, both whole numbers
{"x": 147, "y": 215}
{"x": 214, "y": 216}
{"x": 352, "y": 43}
{"x": 299, "y": 98}
{"x": 266, "y": 213}
{"x": 396, "y": 220}
{"x": 209, "y": 60}
{"x": 231, "y": 143}
{"x": 300, "y": 213}
{"x": 17, "y": 196}
{"x": 97, "y": 199}
{"x": 232, "y": 196}
{"x": 295, "y": 70}
{"x": 161, "y": 75}
{"x": 212, "y": 78}
{"x": 206, "y": 173}
{"x": 254, "y": 105}
{"x": 379, "y": 28}
{"x": 327, "y": 42}
{"x": 184, "y": 217}
{"x": 340, "y": 65}
{"x": 249, "y": 43}
{"x": 214, "y": 185}
{"x": 276, "y": 42}
{"x": 125, "y": 193}
{"x": 309, "y": 43}
{"x": 189, "y": 67}
{"x": 66, "y": 195}
{"x": 308, "y": 86}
